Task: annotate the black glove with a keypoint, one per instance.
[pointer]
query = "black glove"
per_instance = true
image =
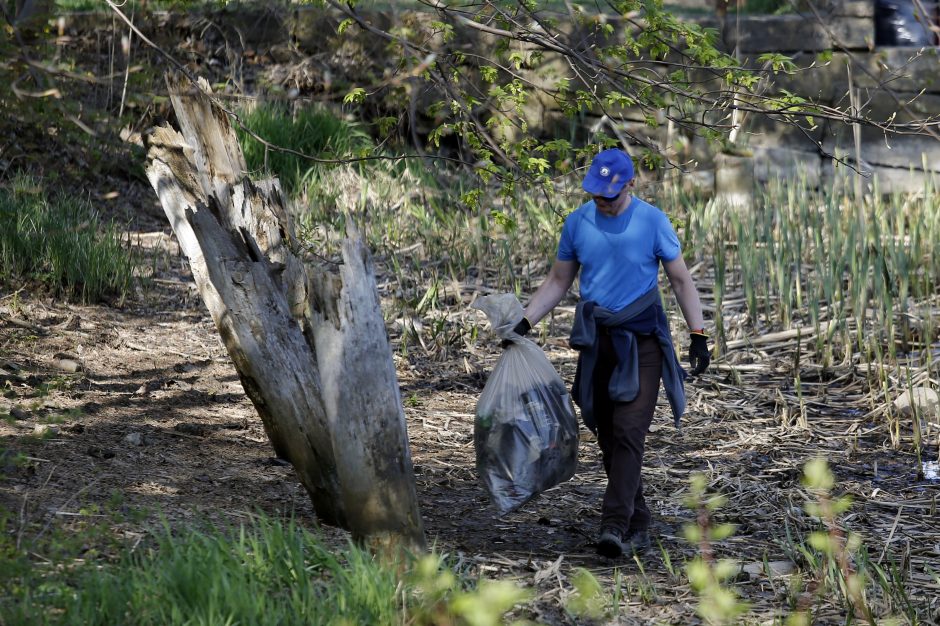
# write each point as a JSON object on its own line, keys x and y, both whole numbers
{"x": 521, "y": 328}
{"x": 699, "y": 356}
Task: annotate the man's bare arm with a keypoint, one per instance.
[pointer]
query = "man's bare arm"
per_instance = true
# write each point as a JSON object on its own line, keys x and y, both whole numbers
{"x": 686, "y": 293}
{"x": 550, "y": 292}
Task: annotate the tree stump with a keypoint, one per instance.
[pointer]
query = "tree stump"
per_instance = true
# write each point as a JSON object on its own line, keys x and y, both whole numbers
{"x": 308, "y": 342}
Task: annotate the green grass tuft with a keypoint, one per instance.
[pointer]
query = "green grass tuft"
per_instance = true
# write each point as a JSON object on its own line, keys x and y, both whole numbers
{"x": 60, "y": 243}
{"x": 265, "y": 572}
{"x": 314, "y": 132}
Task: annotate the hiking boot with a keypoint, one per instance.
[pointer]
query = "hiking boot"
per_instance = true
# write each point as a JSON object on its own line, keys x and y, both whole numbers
{"x": 613, "y": 544}
{"x": 638, "y": 540}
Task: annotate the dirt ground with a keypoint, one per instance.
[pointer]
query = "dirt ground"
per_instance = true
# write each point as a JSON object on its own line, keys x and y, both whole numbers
{"x": 126, "y": 415}
{"x": 155, "y": 423}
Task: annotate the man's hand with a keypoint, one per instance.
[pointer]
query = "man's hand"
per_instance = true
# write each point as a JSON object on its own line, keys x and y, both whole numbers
{"x": 521, "y": 328}
{"x": 699, "y": 355}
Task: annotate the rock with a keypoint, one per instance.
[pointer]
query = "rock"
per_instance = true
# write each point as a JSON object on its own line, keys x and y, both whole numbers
{"x": 135, "y": 439}
{"x": 19, "y": 414}
{"x": 67, "y": 365}
{"x": 900, "y": 106}
{"x": 188, "y": 428}
{"x": 850, "y": 8}
{"x": 890, "y": 180}
{"x": 773, "y": 568}
{"x": 13, "y": 377}
{"x": 923, "y": 399}
{"x": 700, "y": 182}
{"x": 100, "y": 453}
{"x": 43, "y": 430}
{"x": 902, "y": 152}
{"x": 904, "y": 69}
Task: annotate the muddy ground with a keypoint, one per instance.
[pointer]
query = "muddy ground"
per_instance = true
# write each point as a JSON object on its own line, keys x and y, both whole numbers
{"x": 155, "y": 424}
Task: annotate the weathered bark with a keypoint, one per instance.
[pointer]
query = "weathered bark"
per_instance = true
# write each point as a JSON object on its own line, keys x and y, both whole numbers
{"x": 309, "y": 344}
{"x": 362, "y": 399}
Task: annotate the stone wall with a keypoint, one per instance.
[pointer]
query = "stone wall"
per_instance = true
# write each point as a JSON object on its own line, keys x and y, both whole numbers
{"x": 902, "y": 84}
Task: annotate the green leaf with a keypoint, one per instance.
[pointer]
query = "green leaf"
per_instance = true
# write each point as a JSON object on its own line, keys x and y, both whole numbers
{"x": 355, "y": 95}
{"x": 506, "y": 222}
{"x": 699, "y": 574}
{"x": 446, "y": 30}
{"x": 472, "y": 198}
{"x": 344, "y": 25}
{"x": 486, "y": 605}
{"x": 692, "y": 533}
{"x": 386, "y": 124}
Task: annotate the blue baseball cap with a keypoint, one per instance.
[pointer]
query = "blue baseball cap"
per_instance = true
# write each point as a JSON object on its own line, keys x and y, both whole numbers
{"x": 609, "y": 172}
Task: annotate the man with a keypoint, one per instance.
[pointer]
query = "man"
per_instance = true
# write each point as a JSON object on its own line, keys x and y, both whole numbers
{"x": 617, "y": 242}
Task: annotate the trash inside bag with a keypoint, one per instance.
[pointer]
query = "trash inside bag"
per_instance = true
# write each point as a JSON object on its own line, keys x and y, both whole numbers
{"x": 525, "y": 432}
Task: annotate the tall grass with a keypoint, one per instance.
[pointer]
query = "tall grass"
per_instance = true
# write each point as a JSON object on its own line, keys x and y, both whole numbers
{"x": 61, "y": 243}
{"x": 310, "y": 131}
{"x": 265, "y": 572}
{"x": 269, "y": 573}
{"x": 819, "y": 259}
{"x": 859, "y": 278}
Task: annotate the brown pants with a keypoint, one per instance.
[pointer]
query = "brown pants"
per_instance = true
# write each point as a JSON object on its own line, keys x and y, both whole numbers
{"x": 621, "y": 433}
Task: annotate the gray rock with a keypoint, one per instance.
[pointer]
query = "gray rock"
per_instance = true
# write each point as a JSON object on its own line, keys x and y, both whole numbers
{"x": 699, "y": 182}
{"x": 882, "y": 105}
{"x": 773, "y": 568}
{"x": 135, "y": 439}
{"x": 734, "y": 181}
{"x": 850, "y": 8}
{"x": 67, "y": 365}
{"x": 925, "y": 399}
{"x": 762, "y": 130}
{"x": 19, "y": 414}
{"x": 45, "y": 429}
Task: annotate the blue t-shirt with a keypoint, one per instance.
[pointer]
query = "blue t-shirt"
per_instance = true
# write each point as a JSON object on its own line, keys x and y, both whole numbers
{"x": 620, "y": 255}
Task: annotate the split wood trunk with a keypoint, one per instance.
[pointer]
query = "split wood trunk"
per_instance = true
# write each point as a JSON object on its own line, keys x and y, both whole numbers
{"x": 308, "y": 341}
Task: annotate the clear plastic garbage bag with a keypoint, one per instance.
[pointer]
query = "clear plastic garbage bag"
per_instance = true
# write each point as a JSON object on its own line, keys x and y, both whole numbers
{"x": 525, "y": 432}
